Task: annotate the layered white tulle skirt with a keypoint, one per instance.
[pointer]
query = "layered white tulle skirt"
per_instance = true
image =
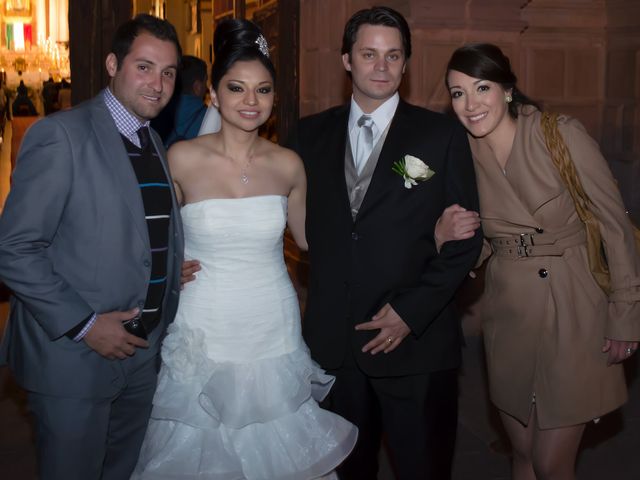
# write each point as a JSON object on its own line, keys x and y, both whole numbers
{"x": 228, "y": 421}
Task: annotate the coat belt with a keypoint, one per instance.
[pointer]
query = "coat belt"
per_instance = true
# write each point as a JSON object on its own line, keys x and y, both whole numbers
{"x": 540, "y": 244}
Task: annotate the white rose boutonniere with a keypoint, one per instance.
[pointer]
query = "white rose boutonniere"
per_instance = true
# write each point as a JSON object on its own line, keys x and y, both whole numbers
{"x": 412, "y": 170}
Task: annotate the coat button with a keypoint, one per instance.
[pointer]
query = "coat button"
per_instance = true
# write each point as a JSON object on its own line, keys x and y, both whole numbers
{"x": 147, "y": 263}
{"x": 539, "y": 230}
{"x": 543, "y": 273}
{"x": 354, "y": 236}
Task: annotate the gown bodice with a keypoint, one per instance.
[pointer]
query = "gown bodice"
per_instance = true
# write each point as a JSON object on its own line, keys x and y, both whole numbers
{"x": 242, "y": 300}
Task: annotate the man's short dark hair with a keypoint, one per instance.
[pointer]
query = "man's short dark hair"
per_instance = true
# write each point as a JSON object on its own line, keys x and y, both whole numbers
{"x": 191, "y": 69}
{"x": 142, "y": 23}
{"x": 384, "y": 16}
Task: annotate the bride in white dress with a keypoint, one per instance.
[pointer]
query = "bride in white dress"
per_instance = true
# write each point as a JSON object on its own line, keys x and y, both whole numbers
{"x": 237, "y": 392}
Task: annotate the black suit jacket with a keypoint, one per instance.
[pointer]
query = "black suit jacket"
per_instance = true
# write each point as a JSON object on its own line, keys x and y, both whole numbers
{"x": 388, "y": 253}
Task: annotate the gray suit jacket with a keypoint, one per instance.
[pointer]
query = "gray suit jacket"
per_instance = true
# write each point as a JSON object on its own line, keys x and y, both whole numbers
{"x": 73, "y": 240}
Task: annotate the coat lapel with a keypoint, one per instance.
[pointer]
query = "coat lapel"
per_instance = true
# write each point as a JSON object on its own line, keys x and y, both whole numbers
{"x": 530, "y": 164}
{"x": 498, "y": 198}
{"x": 509, "y": 195}
{"x": 118, "y": 164}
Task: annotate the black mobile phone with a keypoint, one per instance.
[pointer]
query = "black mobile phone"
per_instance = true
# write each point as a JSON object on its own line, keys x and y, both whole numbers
{"x": 135, "y": 327}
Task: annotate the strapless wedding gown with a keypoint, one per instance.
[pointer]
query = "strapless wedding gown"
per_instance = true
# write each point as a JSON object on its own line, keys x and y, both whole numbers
{"x": 237, "y": 392}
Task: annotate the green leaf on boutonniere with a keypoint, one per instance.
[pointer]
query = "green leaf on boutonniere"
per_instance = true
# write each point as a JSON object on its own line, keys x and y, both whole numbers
{"x": 412, "y": 170}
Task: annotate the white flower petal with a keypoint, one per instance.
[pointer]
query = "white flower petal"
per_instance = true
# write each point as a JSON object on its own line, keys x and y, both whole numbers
{"x": 415, "y": 167}
{"x": 412, "y": 170}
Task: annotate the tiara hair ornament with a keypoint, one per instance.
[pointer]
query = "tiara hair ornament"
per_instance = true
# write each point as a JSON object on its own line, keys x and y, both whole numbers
{"x": 263, "y": 46}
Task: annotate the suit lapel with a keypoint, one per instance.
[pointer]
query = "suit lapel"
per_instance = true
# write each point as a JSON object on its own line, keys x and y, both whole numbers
{"x": 334, "y": 155}
{"x": 117, "y": 163}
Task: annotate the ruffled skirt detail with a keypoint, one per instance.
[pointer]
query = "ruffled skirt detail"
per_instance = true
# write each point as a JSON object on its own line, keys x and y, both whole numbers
{"x": 228, "y": 421}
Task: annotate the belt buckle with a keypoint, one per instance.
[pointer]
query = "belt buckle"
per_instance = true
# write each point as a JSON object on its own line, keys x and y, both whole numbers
{"x": 526, "y": 241}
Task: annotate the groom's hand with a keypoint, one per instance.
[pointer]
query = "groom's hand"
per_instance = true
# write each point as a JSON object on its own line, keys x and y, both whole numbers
{"x": 189, "y": 269}
{"x": 392, "y": 331}
{"x": 109, "y": 338}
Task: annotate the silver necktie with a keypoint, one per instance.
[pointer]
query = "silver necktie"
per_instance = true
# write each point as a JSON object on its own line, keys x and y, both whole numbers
{"x": 365, "y": 141}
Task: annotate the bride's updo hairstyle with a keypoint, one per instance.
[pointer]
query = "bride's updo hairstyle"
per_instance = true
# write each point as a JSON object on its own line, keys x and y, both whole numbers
{"x": 487, "y": 62}
{"x": 238, "y": 40}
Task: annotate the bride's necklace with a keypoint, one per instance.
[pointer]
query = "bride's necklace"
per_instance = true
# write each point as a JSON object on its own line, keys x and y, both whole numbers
{"x": 244, "y": 178}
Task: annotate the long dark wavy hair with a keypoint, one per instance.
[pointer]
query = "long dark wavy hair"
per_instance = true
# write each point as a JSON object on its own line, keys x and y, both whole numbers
{"x": 487, "y": 62}
{"x": 237, "y": 40}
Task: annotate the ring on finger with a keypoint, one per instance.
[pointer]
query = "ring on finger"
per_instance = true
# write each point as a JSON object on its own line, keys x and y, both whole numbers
{"x": 389, "y": 340}
{"x": 629, "y": 351}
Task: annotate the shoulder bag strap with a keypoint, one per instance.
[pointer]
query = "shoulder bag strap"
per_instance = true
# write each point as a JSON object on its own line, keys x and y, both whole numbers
{"x": 561, "y": 158}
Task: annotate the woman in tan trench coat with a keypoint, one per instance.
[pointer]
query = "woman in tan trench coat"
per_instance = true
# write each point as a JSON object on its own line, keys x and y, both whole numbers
{"x": 554, "y": 341}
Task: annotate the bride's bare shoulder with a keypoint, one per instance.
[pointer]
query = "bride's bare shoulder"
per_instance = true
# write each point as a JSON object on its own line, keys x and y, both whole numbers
{"x": 284, "y": 156}
{"x": 190, "y": 152}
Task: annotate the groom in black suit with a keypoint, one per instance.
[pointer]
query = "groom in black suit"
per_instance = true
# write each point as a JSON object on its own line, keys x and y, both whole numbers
{"x": 379, "y": 314}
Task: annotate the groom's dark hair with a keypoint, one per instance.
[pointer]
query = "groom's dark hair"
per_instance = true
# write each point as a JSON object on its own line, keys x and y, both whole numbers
{"x": 384, "y": 16}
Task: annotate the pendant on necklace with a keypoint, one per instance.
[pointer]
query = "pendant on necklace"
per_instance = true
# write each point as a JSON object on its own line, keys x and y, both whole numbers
{"x": 244, "y": 178}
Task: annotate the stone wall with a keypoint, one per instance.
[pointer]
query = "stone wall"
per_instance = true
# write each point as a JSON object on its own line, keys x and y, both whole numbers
{"x": 580, "y": 57}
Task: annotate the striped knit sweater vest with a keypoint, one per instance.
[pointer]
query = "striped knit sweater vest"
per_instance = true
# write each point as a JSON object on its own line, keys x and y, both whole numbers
{"x": 156, "y": 198}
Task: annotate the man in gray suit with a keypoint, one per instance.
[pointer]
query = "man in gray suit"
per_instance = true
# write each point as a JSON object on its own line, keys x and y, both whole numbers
{"x": 91, "y": 245}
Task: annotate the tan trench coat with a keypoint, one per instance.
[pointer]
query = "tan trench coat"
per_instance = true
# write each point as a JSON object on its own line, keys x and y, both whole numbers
{"x": 545, "y": 318}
